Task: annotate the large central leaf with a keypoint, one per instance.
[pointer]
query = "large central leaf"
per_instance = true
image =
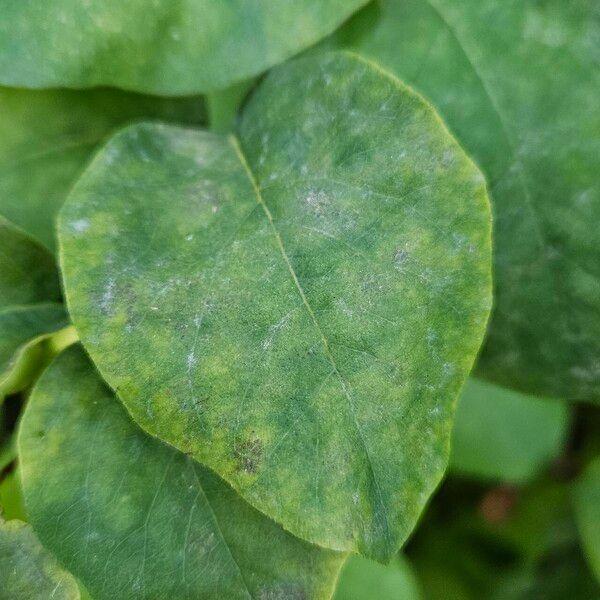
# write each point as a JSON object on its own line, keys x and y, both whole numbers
{"x": 163, "y": 46}
{"x": 296, "y": 307}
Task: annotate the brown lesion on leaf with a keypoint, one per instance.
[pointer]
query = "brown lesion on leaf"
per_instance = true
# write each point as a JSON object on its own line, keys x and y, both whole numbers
{"x": 248, "y": 454}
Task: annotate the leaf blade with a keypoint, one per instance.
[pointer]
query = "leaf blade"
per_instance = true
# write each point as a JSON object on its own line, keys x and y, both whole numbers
{"x": 506, "y": 80}
{"x": 238, "y": 284}
{"x": 27, "y": 571}
{"x": 126, "y": 531}
{"x": 69, "y": 45}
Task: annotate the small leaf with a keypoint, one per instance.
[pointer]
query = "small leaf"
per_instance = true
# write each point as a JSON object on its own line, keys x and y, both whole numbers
{"x": 49, "y": 136}
{"x": 28, "y": 316}
{"x": 134, "y": 518}
{"x": 505, "y": 435}
{"x": 27, "y": 343}
{"x": 162, "y": 47}
{"x": 297, "y": 307}
{"x": 587, "y": 511}
{"x": 27, "y": 270}
{"x": 518, "y": 85}
{"x": 27, "y": 571}
{"x": 11, "y": 496}
{"x": 363, "y": 579}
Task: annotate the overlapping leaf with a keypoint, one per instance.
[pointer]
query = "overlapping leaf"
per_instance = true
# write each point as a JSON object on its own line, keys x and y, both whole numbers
{"x": 504, "y": 435}
{"x": 28, "y": 571}
{"x": 587, "y": 510}
{"x": 134, "y": 518}
{"x": 47, "y": 137}
{"x": 518, "y": 83}
{"x": 29, "y": 309}
{"x": 161, "y": 47}
{"x": 296, "y": 307}
{"x": 27, "y": 342}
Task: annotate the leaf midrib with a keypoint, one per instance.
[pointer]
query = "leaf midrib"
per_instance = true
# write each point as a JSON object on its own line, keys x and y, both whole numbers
{"x": 343, "y": 384}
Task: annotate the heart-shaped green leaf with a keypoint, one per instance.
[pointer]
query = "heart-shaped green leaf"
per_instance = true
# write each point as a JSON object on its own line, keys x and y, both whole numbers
{"x": 161, "y": 47}
{"x": 47, "y": 137}
{"x": 504, "y": 435}
{"x": 27, "y": 570}
{"x": 518, "y": 84}
{"x": 134, "y": 518}
{"x": 296, "y": 307}
{"x": 587, "y": 511}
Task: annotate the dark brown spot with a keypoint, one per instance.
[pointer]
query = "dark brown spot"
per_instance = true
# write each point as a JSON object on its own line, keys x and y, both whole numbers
{"x": 248, "y": 454}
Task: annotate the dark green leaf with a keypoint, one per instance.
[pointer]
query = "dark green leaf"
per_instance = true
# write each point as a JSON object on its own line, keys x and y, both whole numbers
{"x": 28, "y": 340}
{"x": 587, "y": 511}
{"x": 505, "y": 435}
{"x": 161, "y": 47}
{"x": 518, "y": 84}
{"x": 297, "y": 307}
{"x": 27, "y": 270}
{"x": 49, "y": 136}
{"x": 28, "y": 285}
{"x": 27, "y": 571}
{"x": 134, "y": 518}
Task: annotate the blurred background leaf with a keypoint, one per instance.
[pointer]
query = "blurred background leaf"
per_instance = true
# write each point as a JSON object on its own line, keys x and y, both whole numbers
{"x": 504, "y": 435}
{"x": 363, "y": 579}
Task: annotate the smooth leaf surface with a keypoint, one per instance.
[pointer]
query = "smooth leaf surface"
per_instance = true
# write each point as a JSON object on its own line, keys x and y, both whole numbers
{"x": 587, "y": 511}
{"x": 29, "y": 312}
{"x": 302, "y": 312}
{"x": 27, "y": 270}
{"x": 47, "y": 138}
{"x": 11, "y": 497}
{"x": 134, "y": 518}
{"x": 27, "y": 570}
{"x": 363, "y": 579}
{"x": 505, "y": 435}
{"x": 517, "y": 82}
{"x": 27, "y": 343}
{"x": 163, "y": 47}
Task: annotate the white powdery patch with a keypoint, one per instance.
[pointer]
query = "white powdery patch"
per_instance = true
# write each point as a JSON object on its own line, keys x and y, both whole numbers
{"x": 80, "y": 225}
{"x": 108, "y": 296}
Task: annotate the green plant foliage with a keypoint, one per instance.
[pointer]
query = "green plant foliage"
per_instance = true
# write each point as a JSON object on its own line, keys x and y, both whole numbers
{"x": 27, "y": 571}
{"x": 363, "y": 579}
{"x": 29, "y": 314}
{"x": 505, "y": 435}
{"x": 49, "y": 136}
{"x": 518, "y": 84}
{"x": 162, "y": 47}
{"x": 27, "y": 343}
{"x": 587, "y": 510}
{"x": 296, "y": 307}
{"x": 11, "y": 497}
{"x": 500, "y": 543}
{"x": 27, "y": 270}
{"x": 134, "y": 518}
